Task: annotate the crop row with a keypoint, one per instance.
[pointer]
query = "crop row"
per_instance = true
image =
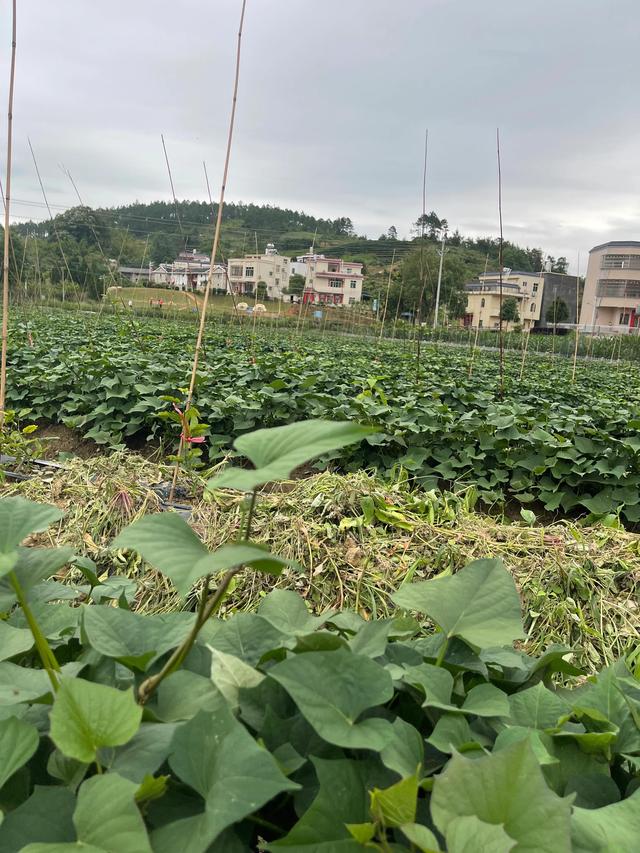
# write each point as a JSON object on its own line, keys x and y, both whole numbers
{"x": 566, "y": 445}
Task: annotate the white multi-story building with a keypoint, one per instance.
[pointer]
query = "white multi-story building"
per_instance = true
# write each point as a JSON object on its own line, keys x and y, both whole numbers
{"x": 611, "y": 301}
{"x": 272, "y": 269}
{"x": 190, "y": 271}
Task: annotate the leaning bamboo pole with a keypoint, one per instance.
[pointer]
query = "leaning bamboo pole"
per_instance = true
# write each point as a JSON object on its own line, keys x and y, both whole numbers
{"x": 214, "y": 249}
{"x": 473, "y": 351}
{"x": 5, "y": 268}
{"x": 525, "y": 350}
{"x": 423, "y": 279}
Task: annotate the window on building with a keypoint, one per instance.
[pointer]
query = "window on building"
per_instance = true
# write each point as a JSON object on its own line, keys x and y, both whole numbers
{"x": 335, "y": 282}
{"x": 533, "y": 307}
{"x": 277, "y": 281}
{"x": 353, "y": 285}
{"x": 525, "y": 284}
{"x": 535, "y": 288}
{"x": 248, "y": 272}
{"x": 621, "y": 262}
{"x": 270, "y": 272}
{"x": 352, "y": 300}
{"x": 479, "y": 324}
{"x": 624, "y": 319}
{"x": 482, "y": 302}
{"x": 236, "y": 272}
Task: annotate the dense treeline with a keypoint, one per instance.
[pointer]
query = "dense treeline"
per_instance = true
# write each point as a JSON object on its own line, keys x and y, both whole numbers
{"x": 81, "y": 248}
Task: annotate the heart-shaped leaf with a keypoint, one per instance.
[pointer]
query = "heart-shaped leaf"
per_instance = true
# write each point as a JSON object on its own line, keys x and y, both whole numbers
{"x": 18, "y": 742}
{"x": 218, "y": 758}
{"x": 19, "y": 518}
{"x": 169, "y": 544}
{"x": 350, "y": 684}
{"x": 505, "y": 788}
{"x": 278, "y": 451}
{"x": 479, "y": 604}
{"x": 87, "y": 716}
{"x": 106, "y": 818}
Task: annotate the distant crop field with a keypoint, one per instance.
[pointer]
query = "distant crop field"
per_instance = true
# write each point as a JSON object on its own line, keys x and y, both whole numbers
{"x": 144, "y": 296}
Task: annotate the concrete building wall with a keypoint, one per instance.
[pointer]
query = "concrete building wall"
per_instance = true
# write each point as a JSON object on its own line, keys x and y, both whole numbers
{"x": 483, "y": 299}
{"x": 611, "y": 300}
{"x": 273, "y": 269}
{"x": 561, "y": 287}
{"x": 332, "y": 280}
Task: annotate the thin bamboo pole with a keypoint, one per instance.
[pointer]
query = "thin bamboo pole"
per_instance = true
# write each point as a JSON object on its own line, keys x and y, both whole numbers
{"x": 575, "y": 349}
{"x": 5, "y": 269}
{"x": 395, "y": 319}
{"x": 386, "y": 301}
{"x": 524, "y": 353}
{"x": 473, "y": 351}
{"x": 500, "y": 263}
{"x": 423, "y": 278}
{"x": 216, "y": 241}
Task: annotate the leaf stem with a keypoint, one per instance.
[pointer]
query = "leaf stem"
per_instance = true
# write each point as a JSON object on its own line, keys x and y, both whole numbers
{"x": 442, "y": 651}
{"x": 250, "y": 512}
{"x": 207, "y": 606}
{"x": 205, "y": 609}
{"x": 45, "y": 652}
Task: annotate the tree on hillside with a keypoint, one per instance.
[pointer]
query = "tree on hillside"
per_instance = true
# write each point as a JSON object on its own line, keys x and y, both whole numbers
{"x": 392, "y": 233}
{"x": 408, "y": 283}
{"x": 557, "y": 312}
{"x": 343, "y": 225}
{"x": 261, "y": 290}
{"x": 296, "y": 285}
{"x": 560, "y": 264}
{"x": 431, "y": 225}
{"x": 509, "y": 312}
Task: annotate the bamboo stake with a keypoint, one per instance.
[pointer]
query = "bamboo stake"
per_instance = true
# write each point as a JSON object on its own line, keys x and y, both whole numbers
{"x": 473, "y": 351}
{"x": 524, "y": 353}
{"x": 395, "y": 319}
{"x": 214, "y": 250}
{"x": 173, "y": 192}
{"x": 5, "y": 269}
{"x": 386, "y": 301}
{"x": 423, "y": 279}
{"x": 575, "y": 350}
{"x": 500, "y": 263}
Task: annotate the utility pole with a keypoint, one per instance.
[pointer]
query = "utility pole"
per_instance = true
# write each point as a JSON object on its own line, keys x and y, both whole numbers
{"x": 435, "y": 315}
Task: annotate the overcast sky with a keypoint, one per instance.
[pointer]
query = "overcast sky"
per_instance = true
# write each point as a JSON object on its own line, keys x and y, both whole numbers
{"x": 334, "y": 99}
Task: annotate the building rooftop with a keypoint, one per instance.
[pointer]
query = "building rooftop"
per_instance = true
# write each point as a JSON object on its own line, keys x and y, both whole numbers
{"x": 617, "y": 244}
{"x": 496, "y": 274}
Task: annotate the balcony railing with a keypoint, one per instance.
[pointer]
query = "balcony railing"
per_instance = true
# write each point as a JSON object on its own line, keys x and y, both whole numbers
{"x": 508, "y": 289}
{"x": 618, "y": 290}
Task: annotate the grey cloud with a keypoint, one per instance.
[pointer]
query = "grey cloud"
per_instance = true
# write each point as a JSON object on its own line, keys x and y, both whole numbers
{"x": 334, "y": 99}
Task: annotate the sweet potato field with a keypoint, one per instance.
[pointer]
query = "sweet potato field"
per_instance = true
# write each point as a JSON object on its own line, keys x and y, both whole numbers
{"x": 568, "y": 447}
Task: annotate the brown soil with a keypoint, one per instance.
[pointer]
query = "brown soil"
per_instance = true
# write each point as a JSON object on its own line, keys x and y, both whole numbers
{"x": 57, "y": 438}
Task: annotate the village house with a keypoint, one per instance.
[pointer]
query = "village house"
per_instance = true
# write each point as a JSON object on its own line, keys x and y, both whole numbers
{"x": 329, "y": 280}
{"x": 190, "y": 271}
{"x": 483, "y": 298}
{"x": 611, "y": 301}
{"x": 271, "y": 268}
{"x": 534, "y": 292}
